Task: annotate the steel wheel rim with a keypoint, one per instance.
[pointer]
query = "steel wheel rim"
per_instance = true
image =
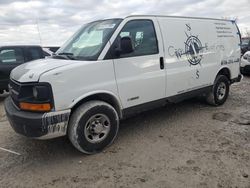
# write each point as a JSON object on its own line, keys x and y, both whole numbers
{"x": 221, "y": 90}
{"x": 97, "y": 128}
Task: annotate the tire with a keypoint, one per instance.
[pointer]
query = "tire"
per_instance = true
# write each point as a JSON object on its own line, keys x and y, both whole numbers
{"x": 220, "y": 91}
{"x": 93, "y": 126}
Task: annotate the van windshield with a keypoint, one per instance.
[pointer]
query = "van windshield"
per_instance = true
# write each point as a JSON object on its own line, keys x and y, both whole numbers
{"x": 89, "y": 41}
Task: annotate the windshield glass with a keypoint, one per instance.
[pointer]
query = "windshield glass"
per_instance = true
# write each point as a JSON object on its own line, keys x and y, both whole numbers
{"x": 89, "y": 41}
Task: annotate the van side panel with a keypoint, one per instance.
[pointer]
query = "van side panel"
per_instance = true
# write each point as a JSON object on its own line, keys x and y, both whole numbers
{"x": 195, "y": 51}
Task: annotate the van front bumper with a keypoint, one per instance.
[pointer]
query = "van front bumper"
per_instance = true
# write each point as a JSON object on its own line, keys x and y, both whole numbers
{"x": 37, "y": 125}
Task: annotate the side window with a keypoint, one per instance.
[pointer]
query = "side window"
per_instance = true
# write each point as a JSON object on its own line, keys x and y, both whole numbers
{"x": 11, "y": 56}
{"x": 143, "y": 35}
{"x": 35, "y": 53}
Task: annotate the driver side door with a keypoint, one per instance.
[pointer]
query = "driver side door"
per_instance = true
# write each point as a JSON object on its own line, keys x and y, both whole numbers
{"x": 140, "y": 75}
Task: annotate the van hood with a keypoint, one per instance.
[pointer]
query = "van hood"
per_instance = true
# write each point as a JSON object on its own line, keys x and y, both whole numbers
{"x": 31, "y": 72}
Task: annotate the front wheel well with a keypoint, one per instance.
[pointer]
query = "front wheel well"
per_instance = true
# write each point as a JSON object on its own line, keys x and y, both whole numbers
{"x": 101, "y": 97}
{"x": 225, "y": 72}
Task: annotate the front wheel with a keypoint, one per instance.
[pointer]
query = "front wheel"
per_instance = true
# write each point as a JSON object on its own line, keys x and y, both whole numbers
{"x": 220, "y": 91}
{"x": 93, "y": 126}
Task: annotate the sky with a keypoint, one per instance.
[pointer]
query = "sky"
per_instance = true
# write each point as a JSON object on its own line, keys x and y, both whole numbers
{"x": 52, "y": 22}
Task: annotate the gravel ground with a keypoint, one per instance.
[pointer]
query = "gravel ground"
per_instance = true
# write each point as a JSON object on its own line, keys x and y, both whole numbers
{"x": 189, "y": 144}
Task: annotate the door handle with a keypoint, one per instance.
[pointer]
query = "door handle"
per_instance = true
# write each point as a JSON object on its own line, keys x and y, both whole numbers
{"x": 161, "y": 62}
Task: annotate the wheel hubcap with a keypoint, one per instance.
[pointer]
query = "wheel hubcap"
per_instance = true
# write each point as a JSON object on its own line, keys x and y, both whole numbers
{"x": 221, "y": 91}
{"x": 97, "y": 128}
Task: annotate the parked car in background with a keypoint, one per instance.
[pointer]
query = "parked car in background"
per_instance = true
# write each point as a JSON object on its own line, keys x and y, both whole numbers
{"x": 52, "y": 48}
{"x": 49, "y": 51}
{"x": 245, "y": 63}
{"x": 12, "y": 56}
{"x": 245, "y": 45}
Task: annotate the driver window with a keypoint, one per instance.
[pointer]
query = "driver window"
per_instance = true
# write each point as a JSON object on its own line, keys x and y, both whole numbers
{"x": 143, "y": 35}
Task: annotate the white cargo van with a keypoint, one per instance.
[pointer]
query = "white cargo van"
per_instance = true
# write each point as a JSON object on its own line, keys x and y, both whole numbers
{"x": 113, "y": 68}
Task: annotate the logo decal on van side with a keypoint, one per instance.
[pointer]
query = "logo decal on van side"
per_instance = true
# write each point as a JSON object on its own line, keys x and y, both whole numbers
{"x": 193, "y": 48}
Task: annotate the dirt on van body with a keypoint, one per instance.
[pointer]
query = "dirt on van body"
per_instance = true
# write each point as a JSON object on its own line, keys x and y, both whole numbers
{"x": 189, "y": 144}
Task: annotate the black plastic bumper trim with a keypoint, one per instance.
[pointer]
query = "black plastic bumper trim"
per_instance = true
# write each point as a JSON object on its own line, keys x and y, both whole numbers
{"x": 35, "y": 125}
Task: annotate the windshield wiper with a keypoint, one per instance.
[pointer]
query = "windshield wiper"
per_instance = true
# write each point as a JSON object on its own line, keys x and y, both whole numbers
{"x": 65, "y": 55}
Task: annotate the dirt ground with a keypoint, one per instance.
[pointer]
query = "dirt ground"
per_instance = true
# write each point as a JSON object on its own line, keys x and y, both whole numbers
{"x": 189, "y": 144}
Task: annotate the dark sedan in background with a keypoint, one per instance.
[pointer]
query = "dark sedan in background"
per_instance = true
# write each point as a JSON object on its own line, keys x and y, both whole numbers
{"x": 12, "y": 56}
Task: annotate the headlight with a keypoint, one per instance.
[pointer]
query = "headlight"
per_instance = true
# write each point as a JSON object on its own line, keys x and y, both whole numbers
{"x": 41, "y": 93}
{"x": 36, "y": 97}
{"x": 35, "y": 92}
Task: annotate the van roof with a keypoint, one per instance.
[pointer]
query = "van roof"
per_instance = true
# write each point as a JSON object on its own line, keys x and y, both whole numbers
{"x": 190, "y": 17}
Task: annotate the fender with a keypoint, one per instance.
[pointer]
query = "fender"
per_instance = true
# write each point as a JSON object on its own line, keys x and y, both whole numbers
{"x": 226, "y": 71}
{"x": 98, "y": 92}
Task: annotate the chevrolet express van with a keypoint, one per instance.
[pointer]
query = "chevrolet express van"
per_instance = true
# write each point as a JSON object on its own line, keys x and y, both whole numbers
{"x": 111, "y": 69}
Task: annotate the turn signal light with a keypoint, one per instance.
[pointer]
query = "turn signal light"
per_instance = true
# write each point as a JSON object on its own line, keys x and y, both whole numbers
{"x": 35, "y": 107}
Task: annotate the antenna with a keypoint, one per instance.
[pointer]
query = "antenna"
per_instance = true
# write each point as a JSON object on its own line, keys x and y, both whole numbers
{"x": 39, "y": 34}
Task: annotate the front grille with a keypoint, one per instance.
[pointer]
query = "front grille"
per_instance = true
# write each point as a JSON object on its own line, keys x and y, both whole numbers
{"x": 14, "y": 88}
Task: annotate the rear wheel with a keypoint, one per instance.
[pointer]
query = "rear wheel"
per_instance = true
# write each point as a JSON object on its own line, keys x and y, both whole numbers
{"x": 220, "y": 91}
{"x": 93, "y": 126}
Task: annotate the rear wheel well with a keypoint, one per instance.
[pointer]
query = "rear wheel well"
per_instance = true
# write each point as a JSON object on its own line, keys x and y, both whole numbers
{"x": 225, "y": 72}
{"x": 101, "y": 97}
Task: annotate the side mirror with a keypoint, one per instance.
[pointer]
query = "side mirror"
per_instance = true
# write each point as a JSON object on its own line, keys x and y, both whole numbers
{"x": 126, "y": 45}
